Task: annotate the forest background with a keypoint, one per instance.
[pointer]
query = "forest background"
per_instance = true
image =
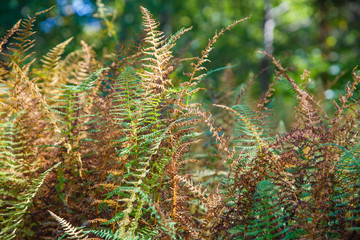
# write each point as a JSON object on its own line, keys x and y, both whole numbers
{"x": 319, "y": 35}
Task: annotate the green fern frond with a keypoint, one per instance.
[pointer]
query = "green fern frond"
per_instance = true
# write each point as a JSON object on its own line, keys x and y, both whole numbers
{"x": 249, "y": 134}
{"x": 10, "y": 169}
{"x": 136, "y": 114}
{"x": 73, "y": 115}
{"x": 268, "y": 218}
{"x": 346, "y": 213}
{"x": 165, "y": 224}
{"x": 108, "y": 234}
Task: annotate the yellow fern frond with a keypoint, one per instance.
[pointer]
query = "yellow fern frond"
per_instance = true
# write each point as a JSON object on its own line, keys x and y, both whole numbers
{"x": 51, "y": 60}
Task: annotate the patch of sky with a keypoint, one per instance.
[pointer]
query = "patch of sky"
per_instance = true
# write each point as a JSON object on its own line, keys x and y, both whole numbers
{"x": 329, "y": 94}
{"x": 92, "y": 25}
{"x": 79, "y": 7}
{"x": 69, "y": 7}
{"x": 83, "y": 7}
{"x": 334, "y": 69}
{"x": 61, "y": 2}
{"x": 48, "y": 24}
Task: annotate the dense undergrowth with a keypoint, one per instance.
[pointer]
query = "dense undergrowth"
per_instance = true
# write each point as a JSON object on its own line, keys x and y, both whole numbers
{"x": 118, "y": 149}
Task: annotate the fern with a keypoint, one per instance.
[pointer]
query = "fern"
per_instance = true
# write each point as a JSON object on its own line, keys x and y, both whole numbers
{"x": 9, "y": 34}
{"x": 345, "y": 215}
{"x": 137, "y": 107}
{"x": 73, "y": 232}
{"x": 72, "y": 114}
{"x": 13, "y": 170}
{"x": 250, "y": 136}
{"x": 51, "y": 71}
{"x": 157, "y": 65}
{"x": 133, "y": 113}
{"x": 21, "y": 48}
{"x": 108, "y": 234}
{"x": 269, "y": 220}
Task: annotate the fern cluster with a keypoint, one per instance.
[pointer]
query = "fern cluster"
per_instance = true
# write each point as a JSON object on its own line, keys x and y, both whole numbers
{"x": 119, "y": 149}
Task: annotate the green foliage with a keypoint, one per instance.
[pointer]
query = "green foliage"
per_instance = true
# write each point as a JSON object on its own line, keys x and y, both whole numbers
{"x": 137, "y": 157}
{"x": 267, "y": 214}
{"x": 18, "y": 187}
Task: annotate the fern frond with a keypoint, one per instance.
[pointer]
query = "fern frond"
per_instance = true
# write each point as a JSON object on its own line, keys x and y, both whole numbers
{"x": 73, "y": 114}
{"x": 194, "y": 77}
{"x": 21, "y": 48}
{"x": 268, "y": 218}
{"x": 108, "y": 234}
{"x": 158, "y": 55}
{"x": 70, "y": 230}
{"x": 51, "y": 59}
{"x": 14, "y": 212}
{"x": 345, "y": 100}
{"x": 8, "y": 35}
{"x": 250, "y": 136}
{"x": 196, "y": 190}
{"x": 51, "y": 65}
{"x": 88, "y": 64}
{"x": 308, "y": 108}
{"x": 346, "y": 215}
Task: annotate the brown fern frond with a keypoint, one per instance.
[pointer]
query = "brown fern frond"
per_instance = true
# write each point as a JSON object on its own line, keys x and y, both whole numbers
{"x": 108, "y": 202}
{"x": 350, "y": 88}
{"x": 97, "y": 221}
{"x": 122, "y": 57}
{"x": 69, "y": 64}
{"x": 261, "y": 106}
{"x": 173, "y": 38}
{"x": 21, "y": 47}
{"x": 188, "y": 225}
{"x": 196, "y": 190}
{"x": 308, "y": 107}
{"x": 8, "y": 35}
{"x": 198, "y": 66}
{"x": 194, "y": 110}
{"x": 185, "y": 123}
{"x": 35, "y": 93}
